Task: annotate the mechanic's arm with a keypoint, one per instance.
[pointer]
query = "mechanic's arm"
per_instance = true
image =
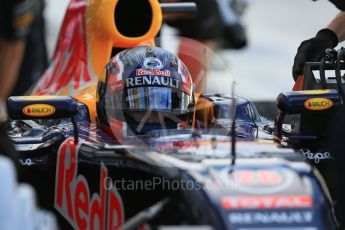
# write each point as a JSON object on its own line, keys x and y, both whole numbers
{"x": 314, "y": 49}
{"x": 16, "y": 17}
{"x": 11, "y": 54}
{"x": 337, "y": 25}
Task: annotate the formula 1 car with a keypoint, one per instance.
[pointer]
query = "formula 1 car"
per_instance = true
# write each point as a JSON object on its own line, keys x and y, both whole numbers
{"x": 225, "y": 172}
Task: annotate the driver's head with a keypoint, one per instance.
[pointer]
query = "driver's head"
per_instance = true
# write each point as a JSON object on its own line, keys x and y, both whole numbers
{"x": 144, "y": 89}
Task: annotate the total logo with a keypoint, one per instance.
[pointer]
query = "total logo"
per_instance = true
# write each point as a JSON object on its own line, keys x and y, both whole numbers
{"x": 73, "y": 199}
{"x": 39, "y": 110}
{"x": 318, "y": 104}
{"x": 267, "y": 202}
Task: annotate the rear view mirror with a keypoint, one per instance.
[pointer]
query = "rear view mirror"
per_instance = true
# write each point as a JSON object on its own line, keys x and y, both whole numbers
{"x": 41, "y": 107}
{"x": 316, "y": 108}
{"x": 308, "y": 101}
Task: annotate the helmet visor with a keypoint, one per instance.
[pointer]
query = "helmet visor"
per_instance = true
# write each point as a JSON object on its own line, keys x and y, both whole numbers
{"x": 142, "y": 99}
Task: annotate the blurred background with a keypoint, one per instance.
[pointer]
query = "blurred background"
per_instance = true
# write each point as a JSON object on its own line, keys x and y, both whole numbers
{"x": 262, "y": 70}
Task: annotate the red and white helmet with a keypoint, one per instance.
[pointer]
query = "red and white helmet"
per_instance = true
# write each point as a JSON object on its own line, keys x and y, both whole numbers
{"x": 143, "y": 89}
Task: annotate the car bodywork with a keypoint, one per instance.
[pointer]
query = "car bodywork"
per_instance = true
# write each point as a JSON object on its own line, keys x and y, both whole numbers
{"x": 268, "y": 186}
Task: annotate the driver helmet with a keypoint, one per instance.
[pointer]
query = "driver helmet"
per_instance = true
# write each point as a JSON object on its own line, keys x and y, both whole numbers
{"x": 143, "y": 89}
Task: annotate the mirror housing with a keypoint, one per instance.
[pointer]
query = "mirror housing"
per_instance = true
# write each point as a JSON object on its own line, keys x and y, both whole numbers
{"x": 41, "y": 107}
{"x": 315, "y": 107}
{"x": 308, "y": 101}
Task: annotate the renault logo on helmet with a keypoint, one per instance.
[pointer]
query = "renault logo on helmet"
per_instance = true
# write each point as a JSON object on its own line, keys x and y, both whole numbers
{"x": 152, "y": 63}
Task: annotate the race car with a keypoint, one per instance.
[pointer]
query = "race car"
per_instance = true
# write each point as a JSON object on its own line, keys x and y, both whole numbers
{"x": 184, "y": 178}
{"x": 222, "y": 170}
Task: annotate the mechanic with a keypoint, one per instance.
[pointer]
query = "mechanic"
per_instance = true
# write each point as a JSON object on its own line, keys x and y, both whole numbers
{"x": 144, "y": 89}
{"x": 16, "y": 17}
{"x": 35, "y": 59}
{"x": 314, "y": 48}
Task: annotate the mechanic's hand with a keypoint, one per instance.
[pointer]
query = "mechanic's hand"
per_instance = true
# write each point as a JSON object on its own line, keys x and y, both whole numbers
{"x": 313, "y": 50}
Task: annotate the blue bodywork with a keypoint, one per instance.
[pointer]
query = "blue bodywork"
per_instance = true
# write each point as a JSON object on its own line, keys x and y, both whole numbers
{"x": 203, "y": 161}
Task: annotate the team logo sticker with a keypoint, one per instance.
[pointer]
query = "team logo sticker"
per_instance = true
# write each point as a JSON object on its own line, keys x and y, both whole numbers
{"x": 317, "y": 104}
{"x": 39, "y": 110}
{"x": 152, "y": 81}
{"x": 277, "y": 217}
{"x": 152, "y": 66}
{"x": 267, "y": 202}
{"x": 141, "y": 72}
{"x": 315, "y": 156}
{"x": 73, "y": 199}
{"x": 152, "y": 63}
